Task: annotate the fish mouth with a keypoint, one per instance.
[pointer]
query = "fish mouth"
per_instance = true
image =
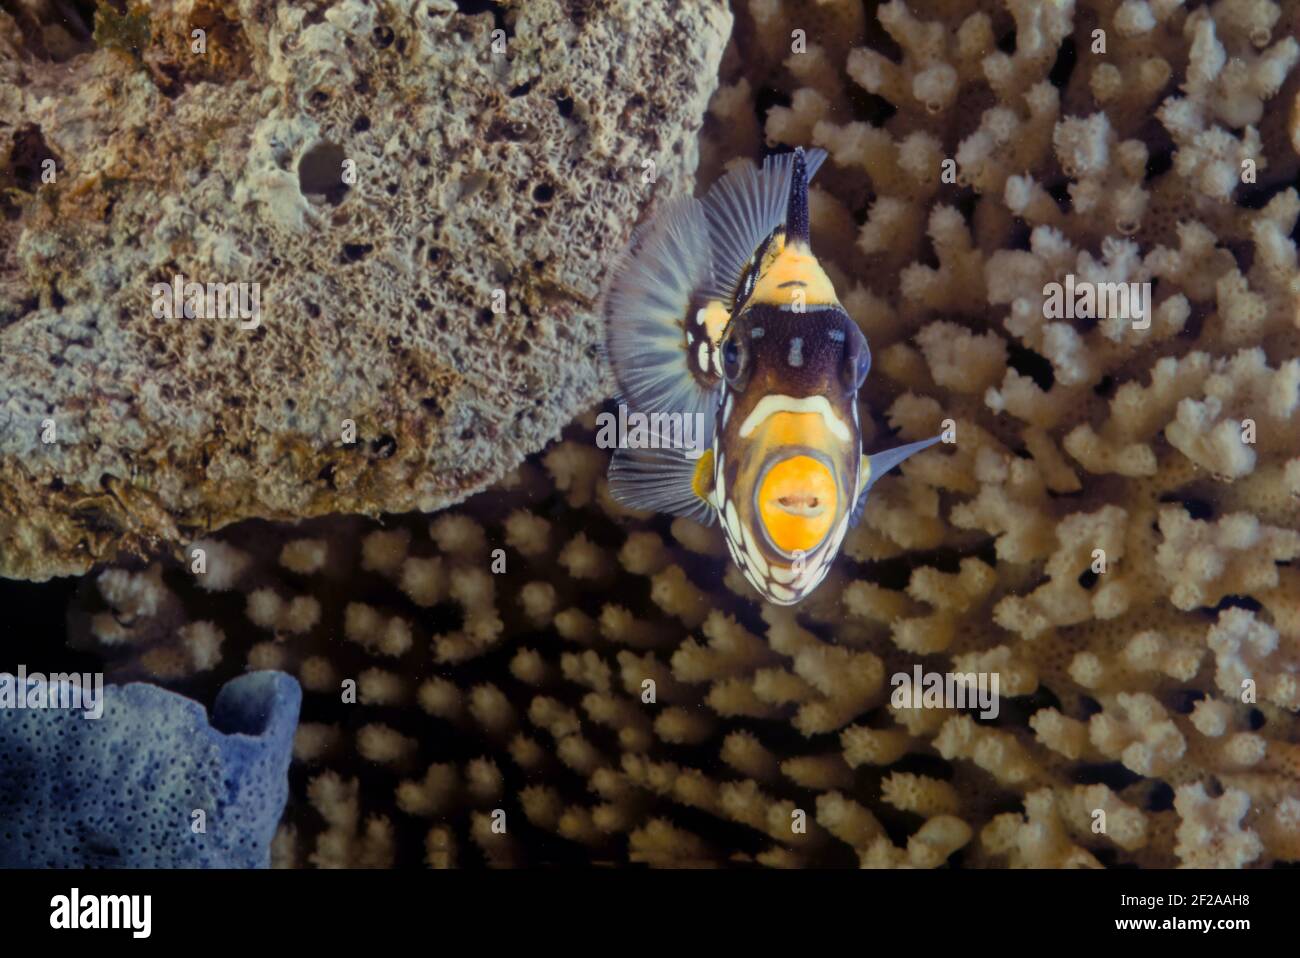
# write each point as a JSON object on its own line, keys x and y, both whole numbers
{"x": 796, "y": 499}
{"x": 805, "y": 504}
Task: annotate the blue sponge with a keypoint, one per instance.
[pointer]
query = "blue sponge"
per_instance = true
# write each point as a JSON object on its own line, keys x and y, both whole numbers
{"x": 122, "y": 791}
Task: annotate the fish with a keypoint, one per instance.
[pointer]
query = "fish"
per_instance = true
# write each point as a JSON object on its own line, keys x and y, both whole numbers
{"x": 719, "y": 309}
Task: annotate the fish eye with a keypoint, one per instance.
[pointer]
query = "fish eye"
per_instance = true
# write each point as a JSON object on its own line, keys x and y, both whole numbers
{"x": 857, "y": 359}
{"x": 730, "y": 360}
{"x": 863, "y": 364}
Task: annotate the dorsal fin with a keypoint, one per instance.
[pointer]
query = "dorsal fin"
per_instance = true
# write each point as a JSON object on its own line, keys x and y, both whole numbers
{"x": 743, "y": 208}
{"x": 796, "y": 211}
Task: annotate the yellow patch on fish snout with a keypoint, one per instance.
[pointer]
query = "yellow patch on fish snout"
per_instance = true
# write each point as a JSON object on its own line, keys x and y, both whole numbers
{"x": 797, "y": 503}
{"x": 789, "y": 275}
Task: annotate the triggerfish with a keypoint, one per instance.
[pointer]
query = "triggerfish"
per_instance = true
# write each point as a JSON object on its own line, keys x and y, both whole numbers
{"x": 720, "y": 310}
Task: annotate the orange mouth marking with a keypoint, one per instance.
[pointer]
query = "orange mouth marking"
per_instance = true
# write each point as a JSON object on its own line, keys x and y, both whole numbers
{"x": 797, "y": 503}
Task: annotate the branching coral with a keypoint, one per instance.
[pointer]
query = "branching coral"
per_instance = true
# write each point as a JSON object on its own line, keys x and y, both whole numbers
{"x": 1114, "y": 534}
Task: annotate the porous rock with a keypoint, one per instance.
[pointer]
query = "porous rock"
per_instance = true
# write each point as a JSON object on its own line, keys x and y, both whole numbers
{"x": 509, "y": 150}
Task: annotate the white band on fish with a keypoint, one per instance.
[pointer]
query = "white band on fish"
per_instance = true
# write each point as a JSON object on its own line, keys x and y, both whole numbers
{"x": 771, "y": 405}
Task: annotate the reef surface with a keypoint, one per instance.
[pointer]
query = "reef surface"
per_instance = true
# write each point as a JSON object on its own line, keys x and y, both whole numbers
{"x": 420, "y": 201}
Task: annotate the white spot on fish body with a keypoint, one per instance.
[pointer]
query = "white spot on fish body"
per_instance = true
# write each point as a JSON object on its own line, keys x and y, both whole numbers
{"x": 733, "y": 521}
{"x": 735, "y": 555}
{"x": 751, "y": 550}
{"x": 782, "y": 573}
{"x": 757, "y": 582}
{"x": 778, "y": 591}
{"x": 796, "y": 352}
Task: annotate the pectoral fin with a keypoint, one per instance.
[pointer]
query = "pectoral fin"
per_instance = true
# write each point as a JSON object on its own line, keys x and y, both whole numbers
{"x": 664, "y": 480}
{"x": 873, "y": 467}
{"x": 656, "y": 336}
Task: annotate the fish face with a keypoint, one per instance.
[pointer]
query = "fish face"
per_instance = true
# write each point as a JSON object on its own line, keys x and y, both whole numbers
{"x": 787, "y": 449}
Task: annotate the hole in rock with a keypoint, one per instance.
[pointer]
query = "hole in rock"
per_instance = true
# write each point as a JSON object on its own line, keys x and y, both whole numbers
{"x": 27, "y": 156}
{"x": 320, "y": 173}
{"x": 472, "y": 8}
